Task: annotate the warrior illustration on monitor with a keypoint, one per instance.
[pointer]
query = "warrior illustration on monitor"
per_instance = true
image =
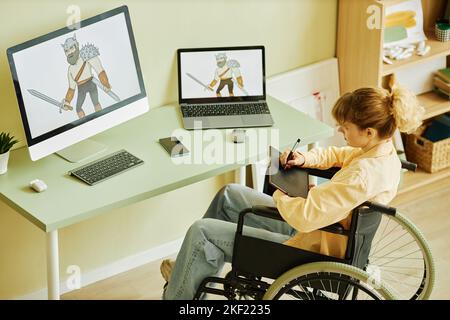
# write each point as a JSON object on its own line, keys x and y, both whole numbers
{"x": 80, "y": 75}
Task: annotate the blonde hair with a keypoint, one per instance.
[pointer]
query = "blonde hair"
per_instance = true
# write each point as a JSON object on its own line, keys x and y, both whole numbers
{"x": 380, "y": 109}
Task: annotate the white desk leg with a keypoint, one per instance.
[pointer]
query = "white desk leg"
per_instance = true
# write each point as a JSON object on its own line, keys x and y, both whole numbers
{"x": 256, "y": 177}
{"x": 259, "y": 169}
{"x": 52, "y": 265}
{"x": 239, "y": 176}
{"x": 312, "y": 179}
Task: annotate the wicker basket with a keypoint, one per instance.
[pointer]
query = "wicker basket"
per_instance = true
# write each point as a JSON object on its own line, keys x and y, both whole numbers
{"x": 430, "y": 156}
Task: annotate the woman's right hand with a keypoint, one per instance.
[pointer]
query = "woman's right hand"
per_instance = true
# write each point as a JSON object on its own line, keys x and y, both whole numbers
{"x": 297, "y": 159}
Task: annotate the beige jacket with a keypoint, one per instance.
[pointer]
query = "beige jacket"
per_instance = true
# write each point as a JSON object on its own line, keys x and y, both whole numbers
{"x": 372, "y": 175}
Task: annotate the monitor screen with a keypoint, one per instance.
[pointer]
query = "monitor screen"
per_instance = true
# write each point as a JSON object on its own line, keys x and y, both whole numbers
{"x": 224, "y": 73}
{"x": 72, "y": 76}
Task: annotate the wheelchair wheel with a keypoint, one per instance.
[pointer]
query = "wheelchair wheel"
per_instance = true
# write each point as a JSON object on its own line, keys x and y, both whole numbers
{"x": 326, "y": 281}
{"x": 401, "y": 257}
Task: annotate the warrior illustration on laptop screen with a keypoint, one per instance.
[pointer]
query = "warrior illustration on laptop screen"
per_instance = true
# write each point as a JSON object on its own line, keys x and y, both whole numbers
{"x": 223, "y": 87}
{"x": 234, "y": 73}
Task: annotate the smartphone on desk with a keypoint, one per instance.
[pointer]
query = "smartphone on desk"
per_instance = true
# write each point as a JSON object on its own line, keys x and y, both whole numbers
{"x": 173, "y": 146}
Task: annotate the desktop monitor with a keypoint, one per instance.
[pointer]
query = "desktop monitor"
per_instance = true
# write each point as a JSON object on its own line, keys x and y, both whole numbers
{"x": 76, "y": 82}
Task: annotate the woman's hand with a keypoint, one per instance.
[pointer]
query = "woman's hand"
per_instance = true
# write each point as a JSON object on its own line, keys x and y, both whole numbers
{"x": 297, "y": 159}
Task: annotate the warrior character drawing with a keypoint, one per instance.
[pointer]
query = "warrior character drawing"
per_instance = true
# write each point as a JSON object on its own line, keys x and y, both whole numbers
{"x": 225, "y": 73}
{"x": 81, "y": 62}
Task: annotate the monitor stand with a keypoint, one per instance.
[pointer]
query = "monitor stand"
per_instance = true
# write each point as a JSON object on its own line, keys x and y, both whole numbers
{"x": 82, "y": 151}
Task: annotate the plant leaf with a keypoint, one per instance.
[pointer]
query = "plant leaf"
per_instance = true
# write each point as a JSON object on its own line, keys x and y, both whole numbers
{"x": 6, "y": 142}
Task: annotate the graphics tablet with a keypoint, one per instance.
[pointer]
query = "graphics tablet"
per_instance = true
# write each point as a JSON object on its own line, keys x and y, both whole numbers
{"x": 294, "y": 182}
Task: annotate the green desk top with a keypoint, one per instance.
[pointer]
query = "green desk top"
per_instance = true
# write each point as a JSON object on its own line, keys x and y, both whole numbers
{"x": 68, "y": 200}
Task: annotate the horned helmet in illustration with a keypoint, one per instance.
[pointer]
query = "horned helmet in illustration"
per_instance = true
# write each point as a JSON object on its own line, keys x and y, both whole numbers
{"x": 71, "y": 49}
{"x": 73, "y": 52}
{"x": 221, "y": 59}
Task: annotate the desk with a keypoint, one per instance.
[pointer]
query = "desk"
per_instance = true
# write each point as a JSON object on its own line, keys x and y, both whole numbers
{"x": 60, "y": 205}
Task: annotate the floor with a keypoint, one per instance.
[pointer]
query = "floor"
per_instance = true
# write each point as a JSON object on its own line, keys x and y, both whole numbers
{"x": 430, "y": 213}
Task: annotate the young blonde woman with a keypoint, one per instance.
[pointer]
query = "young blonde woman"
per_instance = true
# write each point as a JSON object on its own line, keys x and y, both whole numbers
{"x": 370, "y": 171}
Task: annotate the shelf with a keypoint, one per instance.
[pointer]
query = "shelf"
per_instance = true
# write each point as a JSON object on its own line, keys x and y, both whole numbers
{"x": 388, "y": 3}
{"x": 414, "y": 180}
{"x": 434, "y": 104}
{"x": 438, "y": 49}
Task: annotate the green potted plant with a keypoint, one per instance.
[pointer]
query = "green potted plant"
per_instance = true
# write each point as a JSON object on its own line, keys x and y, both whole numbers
{"x": 6, "y": 143}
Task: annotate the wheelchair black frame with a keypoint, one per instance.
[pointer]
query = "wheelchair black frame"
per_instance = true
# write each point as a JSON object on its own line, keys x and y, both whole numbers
{"x": 242, "y": 278}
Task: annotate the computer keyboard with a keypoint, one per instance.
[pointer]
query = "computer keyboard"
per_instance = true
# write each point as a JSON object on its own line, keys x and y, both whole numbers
{"x": 106, "y": 167}
{"x": 207, "y": 110}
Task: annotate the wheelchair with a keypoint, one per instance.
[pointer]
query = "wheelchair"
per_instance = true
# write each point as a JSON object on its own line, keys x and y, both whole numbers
{"x": 386, "y": 258}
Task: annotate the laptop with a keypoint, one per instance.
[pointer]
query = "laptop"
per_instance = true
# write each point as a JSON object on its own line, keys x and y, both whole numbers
{"x": 223, "y": 87}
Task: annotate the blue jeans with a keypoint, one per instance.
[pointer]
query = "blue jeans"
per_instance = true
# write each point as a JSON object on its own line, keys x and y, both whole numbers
{"x": 209, "y": 242}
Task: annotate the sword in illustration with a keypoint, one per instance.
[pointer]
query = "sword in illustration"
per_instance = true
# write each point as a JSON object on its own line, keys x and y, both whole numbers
{"x": 109, "y": 93}
{"x": 52, "y": 101}
{"x": 198, "y": 81}
{"x": 242, "y": 89}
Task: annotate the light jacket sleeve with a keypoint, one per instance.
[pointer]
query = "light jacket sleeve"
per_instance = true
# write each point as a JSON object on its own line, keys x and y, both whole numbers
{"x": 326, "y": 204}
{"x": 325, "y": 158}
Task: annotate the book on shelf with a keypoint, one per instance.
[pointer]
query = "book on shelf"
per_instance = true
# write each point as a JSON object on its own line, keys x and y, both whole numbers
{"x": 442, "y": 92}
{"x": 442, "y": 84}
{"x": 444, "y": 74}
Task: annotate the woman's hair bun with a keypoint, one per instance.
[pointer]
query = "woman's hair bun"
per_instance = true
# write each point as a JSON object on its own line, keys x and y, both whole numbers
{"x": 406, "y": 109}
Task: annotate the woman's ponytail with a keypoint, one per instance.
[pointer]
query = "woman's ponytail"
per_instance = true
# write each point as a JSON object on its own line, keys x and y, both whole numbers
{"x": 406, "y": 109}
{"x": 381, "y": 109}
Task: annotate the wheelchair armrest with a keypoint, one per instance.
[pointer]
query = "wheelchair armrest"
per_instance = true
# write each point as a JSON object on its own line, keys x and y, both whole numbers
{"x": 268, "y": 212}
{"x": 380, "y": 208}
{"x": 273, "y": 213}
{"x": 409, "y": 165}
{"x": 335, "y": 228}
{"x": 264, "y": 211}
{"x": 327, "y": 174}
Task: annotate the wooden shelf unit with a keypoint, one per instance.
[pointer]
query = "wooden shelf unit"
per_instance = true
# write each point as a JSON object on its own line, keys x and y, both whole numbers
{"x": 359, "y": 51}
{"x": 434, "y": 104}
{"x": 438, "y": 49}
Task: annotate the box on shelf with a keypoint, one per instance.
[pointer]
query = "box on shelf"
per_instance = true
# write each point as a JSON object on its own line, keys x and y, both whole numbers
{"x": 442, "y": 30}
{"x": 439, "y": 129}
{"x": 429, "y": 156}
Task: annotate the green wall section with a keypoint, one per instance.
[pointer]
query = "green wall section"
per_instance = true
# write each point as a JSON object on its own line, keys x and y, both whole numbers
{"x": 294, "y": 32}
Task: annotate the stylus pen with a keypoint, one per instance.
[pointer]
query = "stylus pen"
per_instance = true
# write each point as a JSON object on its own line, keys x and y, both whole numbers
{"x": 289, "y": 157}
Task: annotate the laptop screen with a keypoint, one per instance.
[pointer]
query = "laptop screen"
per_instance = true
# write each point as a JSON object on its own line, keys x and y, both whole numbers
{"x": 221, "y": 74}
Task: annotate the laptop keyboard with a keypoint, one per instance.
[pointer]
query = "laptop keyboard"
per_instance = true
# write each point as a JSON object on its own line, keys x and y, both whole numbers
{"x": 211, "y": 110}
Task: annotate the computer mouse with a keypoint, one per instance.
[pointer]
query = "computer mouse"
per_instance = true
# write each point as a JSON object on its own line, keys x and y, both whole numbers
{"x": 38, "y": 185}
{"x": 238, "y": 135}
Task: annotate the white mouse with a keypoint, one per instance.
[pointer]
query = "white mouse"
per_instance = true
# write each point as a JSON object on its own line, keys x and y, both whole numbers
{"x": 38, "y": 185}
{"x": 238, "y": 135}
